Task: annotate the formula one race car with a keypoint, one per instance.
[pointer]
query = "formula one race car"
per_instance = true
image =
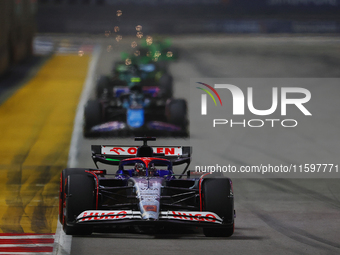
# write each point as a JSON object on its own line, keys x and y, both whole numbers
{"x": 142, "y": 75}
{"x": 144, "y": 191}
{"x": 135, "y": 112}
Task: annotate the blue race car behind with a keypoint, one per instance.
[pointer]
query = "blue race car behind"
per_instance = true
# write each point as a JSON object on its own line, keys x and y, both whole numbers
{"x": 135, "y": 111}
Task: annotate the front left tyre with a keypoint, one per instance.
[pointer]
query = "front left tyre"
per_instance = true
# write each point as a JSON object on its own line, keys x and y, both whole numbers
{"x": 80, "y": 196}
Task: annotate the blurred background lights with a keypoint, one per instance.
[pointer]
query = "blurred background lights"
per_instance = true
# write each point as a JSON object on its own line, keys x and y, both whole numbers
{"x": 127, "y": 61}
{"x": 139, "y": 28}
{"x": 169, "y": 54}
{"x": 119, "y": 13}
{"x": 137, "y": 53}
{"x": 139, "y": 35}
{"x": 119, "y": 38}
{"x": 148, "y": 40}
{"x": 116, "y": 29}
{"x": 107, "y": 33}
{"x": 109, "y": 48}
{"x": 157, "y": 54}
{"x": 133, "y": 44}
{"x": 80, "y": 53}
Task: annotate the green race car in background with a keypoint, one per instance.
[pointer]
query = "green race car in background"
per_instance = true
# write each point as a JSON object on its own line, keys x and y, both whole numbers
{"x": 142, "y": 75}
{"x": 146, "y": 66}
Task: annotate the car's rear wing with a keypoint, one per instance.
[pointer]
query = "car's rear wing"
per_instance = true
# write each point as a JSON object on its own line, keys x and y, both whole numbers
{"x": 113, "y": 154}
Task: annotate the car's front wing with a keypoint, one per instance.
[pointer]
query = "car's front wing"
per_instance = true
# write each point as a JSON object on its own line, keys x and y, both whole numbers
{"x": 125, "y": 216}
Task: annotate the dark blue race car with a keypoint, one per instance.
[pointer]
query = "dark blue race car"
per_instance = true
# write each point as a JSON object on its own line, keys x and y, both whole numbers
{"x": 135, "y": 111}
{"x": 142, "y": 190}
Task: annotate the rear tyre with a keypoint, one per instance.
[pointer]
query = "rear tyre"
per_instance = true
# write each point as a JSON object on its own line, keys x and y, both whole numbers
{"x": 218, "y": 198}
{"x": 103, "y": 86}
{"x": 92, "y": 116}
{"x": 177, "y": 112}
{"x": 79, "y": 197}
{"x": 165, "y": 85}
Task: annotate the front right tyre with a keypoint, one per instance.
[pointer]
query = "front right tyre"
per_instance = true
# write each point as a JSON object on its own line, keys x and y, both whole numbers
{"x": 218, "y": 198}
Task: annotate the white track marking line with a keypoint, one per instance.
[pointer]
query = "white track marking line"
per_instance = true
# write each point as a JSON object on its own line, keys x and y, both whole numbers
{"x": 62, "y": 242}
{"x": 28, "y": 237}
{"x": 26, "y": 253}
{"x": 27, "y": 245}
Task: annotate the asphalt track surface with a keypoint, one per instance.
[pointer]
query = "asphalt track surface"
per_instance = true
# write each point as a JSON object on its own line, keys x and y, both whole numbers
{"x": 274, "y": 216}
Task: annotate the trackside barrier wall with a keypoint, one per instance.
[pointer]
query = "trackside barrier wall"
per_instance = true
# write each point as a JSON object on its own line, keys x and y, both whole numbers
{"x": 189, "y": 16}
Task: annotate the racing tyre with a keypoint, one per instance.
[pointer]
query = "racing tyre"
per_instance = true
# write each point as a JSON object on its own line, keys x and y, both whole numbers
{"x": 175, "y": 53}
{"x": 177, "y": 112}
{"x": 165, "y": 85}
{"x": 103, "y": 86}
{"x": 218, "y": 198}
{"x": 63, "y": 181}
{"x": 79, "y": 197}
{"x": 92, "y": 116}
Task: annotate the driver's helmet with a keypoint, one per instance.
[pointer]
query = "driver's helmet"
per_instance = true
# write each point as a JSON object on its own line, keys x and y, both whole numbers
{"x": 140, "y": 169}
{"x": 152, "y": 169}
